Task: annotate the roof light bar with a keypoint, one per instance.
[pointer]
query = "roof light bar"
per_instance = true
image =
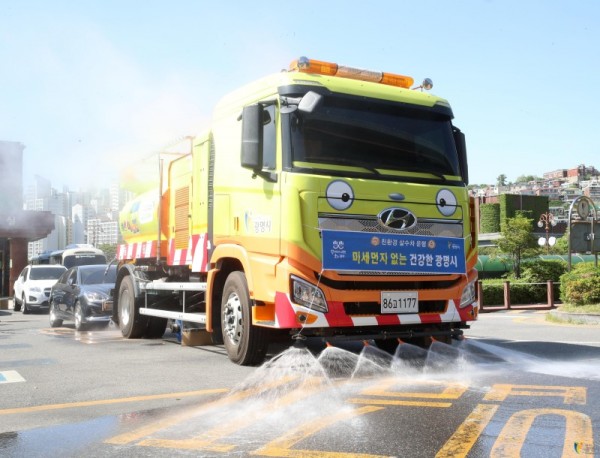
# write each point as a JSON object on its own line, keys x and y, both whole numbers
{"x": 305, "y": 65}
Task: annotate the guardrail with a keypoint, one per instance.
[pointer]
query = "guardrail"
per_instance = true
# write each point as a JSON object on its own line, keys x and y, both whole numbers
{"x": 507, "y": 302}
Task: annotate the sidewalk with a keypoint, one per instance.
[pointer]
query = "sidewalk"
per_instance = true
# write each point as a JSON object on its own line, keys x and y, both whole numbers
{"x": 579, "y": 318}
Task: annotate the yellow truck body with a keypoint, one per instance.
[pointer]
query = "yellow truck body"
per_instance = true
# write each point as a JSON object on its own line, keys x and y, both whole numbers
{"x": 325, "y": 201}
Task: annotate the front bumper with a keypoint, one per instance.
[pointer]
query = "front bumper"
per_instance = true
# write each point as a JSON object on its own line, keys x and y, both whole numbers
{"x": 37, "y": 300}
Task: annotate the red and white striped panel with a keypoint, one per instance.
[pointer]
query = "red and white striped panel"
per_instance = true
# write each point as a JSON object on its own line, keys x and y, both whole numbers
{"x": 285, "y": 316}
{"x": 139, "y": 250}
{"x": 196, "y": 253}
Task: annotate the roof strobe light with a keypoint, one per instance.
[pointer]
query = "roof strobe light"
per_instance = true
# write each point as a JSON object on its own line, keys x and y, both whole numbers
{"x": 306, "y": 65}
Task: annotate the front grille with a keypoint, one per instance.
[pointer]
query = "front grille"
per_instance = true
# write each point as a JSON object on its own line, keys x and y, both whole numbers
{"x": 363, "y": 223}
{"x": 432, "y": 282}
{"x": 374, "y": 308}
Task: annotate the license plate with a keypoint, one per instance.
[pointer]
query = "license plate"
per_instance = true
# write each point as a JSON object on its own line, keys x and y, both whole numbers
{"x": 399, "y": 302}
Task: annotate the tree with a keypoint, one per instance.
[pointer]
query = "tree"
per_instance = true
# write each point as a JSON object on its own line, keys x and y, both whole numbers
{"x": 109, "y": 250}
{"x": 501, "y": 180}
{"x": 526, "y": 178}
{"x": 517, "y": 240}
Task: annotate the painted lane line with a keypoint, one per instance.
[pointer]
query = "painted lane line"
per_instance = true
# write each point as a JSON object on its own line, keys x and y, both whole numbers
{"x": 72, "y": 405}
{"x": 10, "y": 377}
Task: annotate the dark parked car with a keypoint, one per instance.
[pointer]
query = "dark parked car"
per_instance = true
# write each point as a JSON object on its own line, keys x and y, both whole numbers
{"x": 79, "y": 294}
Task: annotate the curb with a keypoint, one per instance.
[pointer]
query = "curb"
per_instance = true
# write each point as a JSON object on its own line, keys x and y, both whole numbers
{"x": 584, "y": 318}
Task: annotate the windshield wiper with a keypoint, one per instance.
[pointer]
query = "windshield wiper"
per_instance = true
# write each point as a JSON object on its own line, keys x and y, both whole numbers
{"x": 351, "y": 163}
{"x": 419, "y": 170}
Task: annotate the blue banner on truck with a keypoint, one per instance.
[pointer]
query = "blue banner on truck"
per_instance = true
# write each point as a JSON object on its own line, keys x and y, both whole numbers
{"x": 364, "y": 251}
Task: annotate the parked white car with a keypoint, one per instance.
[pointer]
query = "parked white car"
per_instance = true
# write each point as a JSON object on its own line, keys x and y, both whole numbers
{"x": 32, "y": 287}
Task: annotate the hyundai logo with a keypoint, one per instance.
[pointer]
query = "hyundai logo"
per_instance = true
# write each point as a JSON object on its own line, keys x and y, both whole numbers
{"x": 398, "y": 219}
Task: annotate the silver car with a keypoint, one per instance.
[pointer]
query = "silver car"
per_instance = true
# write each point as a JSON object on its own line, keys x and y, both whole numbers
{"x": 32, "y": 287}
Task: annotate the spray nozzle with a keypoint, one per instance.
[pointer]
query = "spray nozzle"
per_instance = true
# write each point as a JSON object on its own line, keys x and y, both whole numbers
{"x": 299, "y": 341}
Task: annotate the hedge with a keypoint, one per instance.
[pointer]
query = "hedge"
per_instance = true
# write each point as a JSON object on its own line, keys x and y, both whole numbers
{"x": 520, "y": 293}
{"x": 581, "y": 286}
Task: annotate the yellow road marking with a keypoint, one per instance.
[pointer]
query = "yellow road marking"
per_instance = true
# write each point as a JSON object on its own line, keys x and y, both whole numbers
{"x": 282, "y": 447}
{"x": 179, "y": 417}
{"x": 467, "y": 433}
{"x": 71, "y": 405}
{"x": 570, "y": 394}
{"x": 451, "y": 390}
{"x": 207, "y": 440}
{"x": 578, "y": 429}
{"x": 397, "y": 402}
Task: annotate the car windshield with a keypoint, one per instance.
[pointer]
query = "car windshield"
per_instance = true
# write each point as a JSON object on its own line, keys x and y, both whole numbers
{"x": 83, "y": 259}
{"x": 98, "y": 275}
{"x": 45, "y": 273}
{"x": 375, "y": 138}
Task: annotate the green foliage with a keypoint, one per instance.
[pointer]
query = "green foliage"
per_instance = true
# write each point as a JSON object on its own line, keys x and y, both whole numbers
{"x": 517, "y": 241}
{"x": 561, "y": 246}
{"x": 493, "y": 293}
{"x": 501, "y": 180}
{"x": 526, "y": 178}
{"x": 487, "y": 250}
{"x": 109, "y": 250}
{"x": 490, "y": 218}
{"x": 512, "y": 204}
{"x": 541, "y": 271}
{"x": 581, "y": 286}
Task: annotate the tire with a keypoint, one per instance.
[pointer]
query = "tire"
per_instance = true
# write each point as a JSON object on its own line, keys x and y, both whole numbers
{"x": 156, "y": 327}
{"x": 16, "y": 305}
{"x": 133, "y": 325}
{"x": 245, "y": 343}
{"x": 78, "y": 316}
{"x": 54, "y": 321}
{"x": 26, "y": 310}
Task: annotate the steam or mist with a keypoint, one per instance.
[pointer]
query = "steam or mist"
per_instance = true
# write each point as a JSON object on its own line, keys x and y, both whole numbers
{"x": 89, "y": 104}
{"x": 11, "y": 175}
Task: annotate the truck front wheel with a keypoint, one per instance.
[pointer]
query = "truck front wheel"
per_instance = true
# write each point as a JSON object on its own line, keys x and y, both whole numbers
{"x": 132, "y": 323}
{"x": 245, "y": 343}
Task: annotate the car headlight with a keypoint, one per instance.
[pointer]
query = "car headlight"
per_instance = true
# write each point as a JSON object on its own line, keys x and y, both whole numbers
{"x": 94, "y": 296}
{"x": 307, "y": 295}
{"x": 468, "y": 295}
{"x": 35, "y": 289}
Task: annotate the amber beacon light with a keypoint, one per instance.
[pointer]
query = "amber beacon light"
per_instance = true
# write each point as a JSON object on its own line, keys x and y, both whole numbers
{"x": 306, "y": 65}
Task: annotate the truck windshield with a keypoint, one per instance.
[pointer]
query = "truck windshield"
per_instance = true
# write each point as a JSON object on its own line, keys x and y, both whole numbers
{"x": 373, "y": 138}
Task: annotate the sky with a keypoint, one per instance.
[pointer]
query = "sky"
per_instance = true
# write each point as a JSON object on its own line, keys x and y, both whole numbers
{"x": 90, "y": 86}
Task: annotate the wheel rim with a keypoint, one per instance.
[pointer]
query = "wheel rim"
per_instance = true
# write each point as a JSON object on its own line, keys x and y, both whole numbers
{"x": 233, "y": 319}
{"x": 124, "y": 309}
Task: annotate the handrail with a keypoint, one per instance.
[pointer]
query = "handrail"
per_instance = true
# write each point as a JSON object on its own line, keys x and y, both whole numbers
{"x": 507, "y": 302}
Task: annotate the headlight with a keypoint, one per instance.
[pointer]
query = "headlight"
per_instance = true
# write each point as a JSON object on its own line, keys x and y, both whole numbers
{"x": 35, "y": 289}
{"x": 468, "y": 295}
{"x": 94, "y": 296}
{"x": 303, "y": 293}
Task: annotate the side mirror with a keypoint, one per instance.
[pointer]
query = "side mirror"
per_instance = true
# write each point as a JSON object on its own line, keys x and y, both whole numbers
{"x": 252, "y": 120}
{"x": 309, "y": 102}
{"x": 461, "y": 149}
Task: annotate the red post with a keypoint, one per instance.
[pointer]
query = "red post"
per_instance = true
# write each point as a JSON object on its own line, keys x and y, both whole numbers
{"x": 507, "y": 294}
{"x": 550, "y": 293}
